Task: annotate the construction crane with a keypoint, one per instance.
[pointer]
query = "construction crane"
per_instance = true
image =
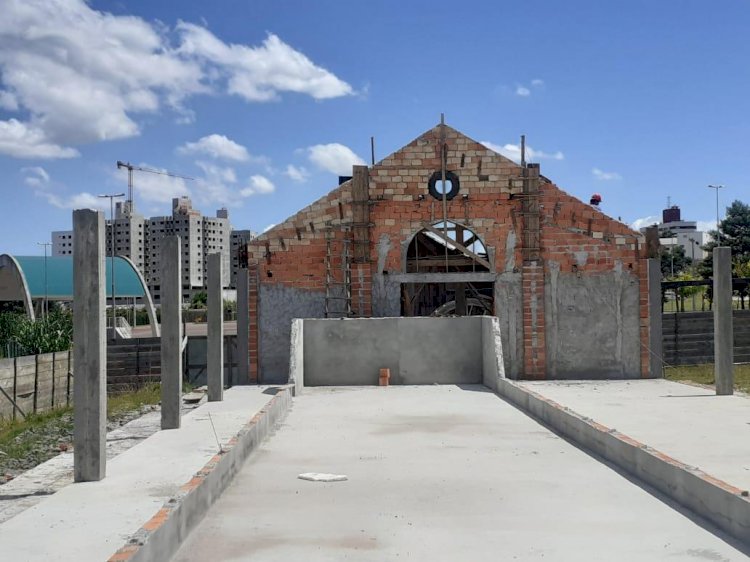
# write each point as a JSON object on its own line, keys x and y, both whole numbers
{"x": 129, "y": 203}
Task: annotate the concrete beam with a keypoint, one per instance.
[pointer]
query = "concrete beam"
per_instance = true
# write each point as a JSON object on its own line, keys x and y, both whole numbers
{"x": 215, "y": 366}
{"x": 655, "y": 341}
{"x": 243, "y": 327}
{"x": 482, "y": 277}
{"x": 171, "y": 332}
{"x": 89, "y": 348}
{"x": 723, "y": 329}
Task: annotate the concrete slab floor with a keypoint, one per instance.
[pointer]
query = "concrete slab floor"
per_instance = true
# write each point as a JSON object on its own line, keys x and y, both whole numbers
{"x": 688, "y": 423}
{"x": 38, "y": 483}
{"x": 91, "y": 520}
{"x": 435, "y": 473}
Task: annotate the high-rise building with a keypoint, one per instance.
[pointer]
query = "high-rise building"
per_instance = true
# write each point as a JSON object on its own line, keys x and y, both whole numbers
{"x": 62, "y": 243}
{"x": 140, "y": 240}
{"x": 673, "y": 231}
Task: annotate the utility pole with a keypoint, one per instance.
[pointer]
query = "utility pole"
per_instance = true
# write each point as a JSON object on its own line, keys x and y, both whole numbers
{"x": 45, "y": 308}
{"x": 112, "y": 198}
{"x": 717, "y": 188}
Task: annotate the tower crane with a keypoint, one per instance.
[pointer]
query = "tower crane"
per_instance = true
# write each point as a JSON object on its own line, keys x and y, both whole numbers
{"x": 129, "y": 207}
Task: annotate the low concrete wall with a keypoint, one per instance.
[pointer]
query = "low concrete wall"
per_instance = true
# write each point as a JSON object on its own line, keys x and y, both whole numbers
{"x": 297, "y": 357}
{"x": 720, "y": 503}
{"x": 493, "y": 366}
{"x": 161, "y": 537}
{"x": 416, "y": 350}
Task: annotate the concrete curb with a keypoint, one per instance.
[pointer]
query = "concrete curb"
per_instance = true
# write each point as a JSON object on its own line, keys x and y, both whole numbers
{"x": 161, "y": 536}
{"x": 724, "y": 505}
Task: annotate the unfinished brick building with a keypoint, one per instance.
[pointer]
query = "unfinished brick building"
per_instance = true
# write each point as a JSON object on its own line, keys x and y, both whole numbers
{"x": 568, "y": 283}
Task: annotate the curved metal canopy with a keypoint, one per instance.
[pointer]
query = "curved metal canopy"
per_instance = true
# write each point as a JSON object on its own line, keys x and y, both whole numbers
{"x": 29, "y": 278}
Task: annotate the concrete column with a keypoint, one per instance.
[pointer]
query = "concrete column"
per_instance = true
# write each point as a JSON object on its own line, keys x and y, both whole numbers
{"x": 89, "y": 348}
{"x": 655, "y": 341}
{"x": 215, "y": 329}
{"x": 723, "y": 329}
{"x": 171, "y": 332}
{"x": 243, "y": 327}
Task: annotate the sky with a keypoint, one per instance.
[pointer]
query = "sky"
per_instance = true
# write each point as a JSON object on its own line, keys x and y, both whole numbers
{"x": 265, "y": 103}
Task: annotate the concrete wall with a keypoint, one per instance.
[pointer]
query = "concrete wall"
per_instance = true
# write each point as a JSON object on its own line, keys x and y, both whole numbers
{"x": 297, "y": 356}
{"x": 493, "y": 367}
{"x": 279, "y": 305}
{"x": 592, "y": 325}
{"x": 416, "y": 350}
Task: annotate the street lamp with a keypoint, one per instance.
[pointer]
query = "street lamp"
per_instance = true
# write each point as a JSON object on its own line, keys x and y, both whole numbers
{"x": 45, "y": 308}
{"x": 717, "y": 188}
{"x": 112, "y": 198}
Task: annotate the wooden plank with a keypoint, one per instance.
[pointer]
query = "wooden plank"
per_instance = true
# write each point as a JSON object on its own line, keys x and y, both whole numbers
{"x": 460, "y": 247}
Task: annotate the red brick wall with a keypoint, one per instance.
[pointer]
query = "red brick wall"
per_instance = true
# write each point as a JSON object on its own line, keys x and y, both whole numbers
{"x": 293, "y": 253}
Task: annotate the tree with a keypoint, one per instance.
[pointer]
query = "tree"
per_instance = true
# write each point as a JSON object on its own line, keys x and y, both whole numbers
{"x": 674, "y": 261}
{"x": 733, "y": 231}
{"x": 199, "y": 300}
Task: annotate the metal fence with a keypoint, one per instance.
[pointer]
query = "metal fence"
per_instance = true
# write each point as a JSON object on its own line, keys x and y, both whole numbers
{"x": 688, "y": 337}
{"x": 696, "y": 295}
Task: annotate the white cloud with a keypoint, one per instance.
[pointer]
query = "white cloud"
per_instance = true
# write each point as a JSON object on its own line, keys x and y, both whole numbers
{"x": 513, "y": 151}
{"x": 638, "y": 224}
{"x": 525, "y": 91}
{"x": 334, "y": 157}
{"x": 35, "y": 177}
{"x": 259, "y": 185}
{"x": 22, "y": 140}
{"x": 80, "y": 75}
{"x": 77, "y": 201}
{"x": 39, "y": 181}
{"x": 216, "y": 186}
{"x": 216, "y": 146}
{"x": 298, "y": 174}
{"x": 260, "y": 73}
{"x": 605, "y": 176}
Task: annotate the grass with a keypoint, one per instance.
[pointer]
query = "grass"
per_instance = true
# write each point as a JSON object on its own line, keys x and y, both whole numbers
{"x": 122, "y": 403}
{"x": 24, "y": 443}
{"x": 23, "y": 438}
{"x": 704, "y": 374}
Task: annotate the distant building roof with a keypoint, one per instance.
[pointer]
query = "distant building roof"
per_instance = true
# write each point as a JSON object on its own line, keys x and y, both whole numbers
{"x": 19, "y": 274}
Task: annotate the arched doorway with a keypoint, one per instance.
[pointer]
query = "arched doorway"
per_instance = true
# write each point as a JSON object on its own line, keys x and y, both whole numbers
{"x": 448, "y": 256}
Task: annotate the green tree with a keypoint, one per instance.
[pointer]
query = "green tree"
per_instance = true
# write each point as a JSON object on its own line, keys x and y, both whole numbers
{"x": 674, "y": 262}
{"x": 199, "y": 300}
{"x": 733, "y": 231}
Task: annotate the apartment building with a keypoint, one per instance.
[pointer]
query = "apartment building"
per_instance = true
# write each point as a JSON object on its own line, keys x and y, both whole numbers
{"x": 140, "y": 239}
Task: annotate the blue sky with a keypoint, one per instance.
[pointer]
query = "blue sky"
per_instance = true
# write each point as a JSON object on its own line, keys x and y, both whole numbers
{"x": 265, "y": 102}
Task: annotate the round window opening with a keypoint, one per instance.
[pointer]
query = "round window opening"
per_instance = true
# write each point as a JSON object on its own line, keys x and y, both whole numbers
{"x": 449, "y": 188}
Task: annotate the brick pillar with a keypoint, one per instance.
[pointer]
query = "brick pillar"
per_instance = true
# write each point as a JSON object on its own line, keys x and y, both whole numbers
{"x": 532, "y": 274}
{"x": 254, "y": 322}
{"x": 534, "y": 340}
